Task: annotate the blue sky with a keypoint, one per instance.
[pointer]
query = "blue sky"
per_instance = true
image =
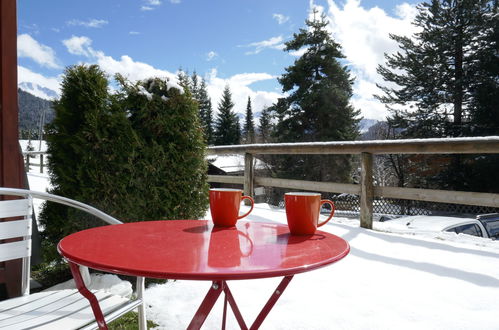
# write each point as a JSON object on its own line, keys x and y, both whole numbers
{"x": 234, "y": 42}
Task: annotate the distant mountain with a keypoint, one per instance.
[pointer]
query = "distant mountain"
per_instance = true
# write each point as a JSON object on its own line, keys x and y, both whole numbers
{"x": 31, "y": 109}
{"x": 376, "y": 131}
{"x": 39, "y": 91}
{"x": 365, "y": 124}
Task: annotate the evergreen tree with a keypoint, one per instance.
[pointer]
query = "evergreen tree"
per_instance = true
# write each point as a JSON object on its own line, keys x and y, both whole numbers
{"x": 205, "y": 113}
{"x": 318, "y": 106}
{"x": 249, "y": 125}
{"x": 137, "y": 154}
{"x": 446, "y": 82}
{"x": 227, "y": 127}
{"x": 170, "y": 167}
{"x": 437, "y": 70}
{"x": 91, "y": 146}
{"x": 194, "y": 86}
{"x": 183, "y": 79}
{"x": 265, "y": 126}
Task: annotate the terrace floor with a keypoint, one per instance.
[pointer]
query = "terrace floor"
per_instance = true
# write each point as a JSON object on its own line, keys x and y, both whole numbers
{"x": 388, "y": 281}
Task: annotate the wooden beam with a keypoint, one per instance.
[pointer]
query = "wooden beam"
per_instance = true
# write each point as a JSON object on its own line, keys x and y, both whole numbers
{"x": 248, "y": 177}
{"x": 11, "y": 173}
{"x": 439, "y": 196}
{"x": 226, "y": 179}
{"x": 11, "y": 162}
{"x": 309, "y": 185}
{"x": 476, "y": 145}
{"x": 366, "y": 190}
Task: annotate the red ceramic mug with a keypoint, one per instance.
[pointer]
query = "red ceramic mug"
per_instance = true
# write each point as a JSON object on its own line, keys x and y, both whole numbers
{"x": 224, "y": 206}
{"x": 303, "y": 210}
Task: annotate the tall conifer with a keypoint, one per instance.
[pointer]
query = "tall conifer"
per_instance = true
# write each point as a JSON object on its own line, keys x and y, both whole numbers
{"x": 227, "y": 127}
{"x": 249, "y": 125}
{"x": 318, "y": 106}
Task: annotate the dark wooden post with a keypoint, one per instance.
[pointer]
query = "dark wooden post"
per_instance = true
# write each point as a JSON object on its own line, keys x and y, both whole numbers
{"x": 11, "y": 162}
{"x": 248, "y": 176}
{"x": 366, "y": 190}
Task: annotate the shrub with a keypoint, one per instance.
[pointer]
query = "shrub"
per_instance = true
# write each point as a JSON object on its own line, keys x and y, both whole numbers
{"x": 131, "y": 154}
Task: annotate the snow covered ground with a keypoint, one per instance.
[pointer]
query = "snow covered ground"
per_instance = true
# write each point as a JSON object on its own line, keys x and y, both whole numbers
{"x": 401, "y": 280}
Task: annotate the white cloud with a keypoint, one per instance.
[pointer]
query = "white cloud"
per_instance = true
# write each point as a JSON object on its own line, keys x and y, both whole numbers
{"x": 151, "y": 4}
{"x": 175, "y": 1}
{"x": 38, "y": 82}
{"x": 239, "y": 87}
{"x": 133, "y": 33}
{"x": 79, "y": 46}
{"x": 211, "y": 55}
{"x": 364, "y": 37}
{"x": 272, "y": 43}
{"x": 91, "y": 23}
{"x": 41, "y": 54}
{"x": 129, "y": 68}
{"x": 281, "y": 19}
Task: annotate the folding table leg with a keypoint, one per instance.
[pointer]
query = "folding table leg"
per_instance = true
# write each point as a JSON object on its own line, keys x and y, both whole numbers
{"x": 235, "y": 309}
{"x": 207, "y": 305}
{"x": 94, "y": 303}
{"x": 271, "y": 302}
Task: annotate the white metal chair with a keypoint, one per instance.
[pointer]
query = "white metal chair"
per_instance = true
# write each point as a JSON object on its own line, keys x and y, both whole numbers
{"x": 62, "y": 309}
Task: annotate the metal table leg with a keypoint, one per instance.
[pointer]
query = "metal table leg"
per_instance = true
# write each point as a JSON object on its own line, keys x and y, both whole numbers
{"x": 212, "y": 296}
{"x": 94, "y": 303}
{"x": 271, "y": 302}
{"x": 207, "y": 305}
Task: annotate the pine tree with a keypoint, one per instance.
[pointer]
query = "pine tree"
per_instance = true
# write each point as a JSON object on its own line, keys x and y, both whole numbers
{"x": 437, "y": 69}
{"x": 265, "y": 126}
{"x": 446, "y": 82}
{"x": 249, "y": 125}
{"x": 227, "y": 127}
{"x": 205, "y": 113}
{"x": 318, "y": 106}
{"x": 183, "y": 79}
{"x": 194, "y": 85}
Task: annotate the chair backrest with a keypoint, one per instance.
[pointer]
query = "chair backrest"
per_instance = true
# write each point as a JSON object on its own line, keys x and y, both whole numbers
{"x": 22, "y": 228}
{"x": 15, "y": 235}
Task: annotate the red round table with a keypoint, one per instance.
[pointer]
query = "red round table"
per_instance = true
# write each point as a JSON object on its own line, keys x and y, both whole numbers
{"x": 196, "y": 250}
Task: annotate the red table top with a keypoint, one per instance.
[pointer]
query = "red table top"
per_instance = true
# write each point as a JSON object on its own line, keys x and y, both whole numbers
{"x": 195, "y": 250}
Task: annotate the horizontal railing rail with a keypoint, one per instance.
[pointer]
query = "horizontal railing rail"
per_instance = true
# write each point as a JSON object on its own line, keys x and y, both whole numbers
{"x": 366, "y": 149}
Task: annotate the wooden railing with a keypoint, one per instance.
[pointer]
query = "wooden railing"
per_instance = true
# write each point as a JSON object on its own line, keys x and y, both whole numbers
{"x": 27, "y": 155}
{"x": 366, "y": 149}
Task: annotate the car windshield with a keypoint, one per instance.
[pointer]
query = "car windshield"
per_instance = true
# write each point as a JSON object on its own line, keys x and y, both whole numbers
{"x": 469, "y": 229}
{"x": 492, "y": 226}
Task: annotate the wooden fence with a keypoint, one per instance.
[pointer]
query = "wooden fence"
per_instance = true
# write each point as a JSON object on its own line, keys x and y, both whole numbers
{"x": 366, "y": 149}
{"x": 27, "y": 155}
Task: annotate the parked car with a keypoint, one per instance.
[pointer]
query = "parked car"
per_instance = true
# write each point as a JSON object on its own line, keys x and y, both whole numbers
{"x": 486, "y": 225}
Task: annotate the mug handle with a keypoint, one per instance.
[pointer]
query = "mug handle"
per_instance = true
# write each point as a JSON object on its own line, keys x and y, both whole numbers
{"x": 327, "y": 201}
{"x": 251, "y": 209}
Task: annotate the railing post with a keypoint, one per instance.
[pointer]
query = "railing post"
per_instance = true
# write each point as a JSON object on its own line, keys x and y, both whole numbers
{"x": 248, "y": 176}
{"x": 27, "y": 163}
{"x": 366, "y": 190}
{"x": 41, "y": 163}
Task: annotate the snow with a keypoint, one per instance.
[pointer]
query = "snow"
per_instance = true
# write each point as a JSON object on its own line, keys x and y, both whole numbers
{"x": 233, "y": 163}
{"x": 365, "y": 143}
{"x": 143, "y": 91}
{"x": 173, "y": 84}
{"x": 390, "y": 280}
